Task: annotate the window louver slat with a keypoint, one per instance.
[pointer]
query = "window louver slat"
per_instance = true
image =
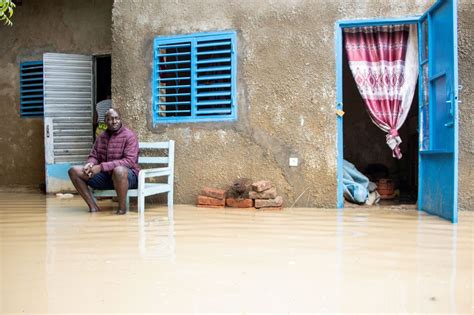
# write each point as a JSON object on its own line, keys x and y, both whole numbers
{"x": 174, "y": 78}
{"x": 175, "y": 70}
{"x": 174, "y": 62}
{"x": 207, "y": 86}
{"x": 174, "y": 86}
{"x": 214, "y": 77}
{"x": 209, "y": 69}
{"x": 214, "y": 61}
{"x": 214, "y": 52}
{"x": 176, "y": 94}
{"x": 213, "y": 102}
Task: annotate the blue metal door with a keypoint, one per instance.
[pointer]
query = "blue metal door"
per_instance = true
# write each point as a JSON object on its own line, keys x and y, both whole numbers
{"x": 438, "y": 154}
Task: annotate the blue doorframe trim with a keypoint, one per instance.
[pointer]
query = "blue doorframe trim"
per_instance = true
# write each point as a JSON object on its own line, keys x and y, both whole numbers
{"x": 376, "y": 22}
{"x": 339, "y": 106}
{"x": 339, "y": 87}
{"x": 456, "y": 112}
{"x": 421, "y": 59}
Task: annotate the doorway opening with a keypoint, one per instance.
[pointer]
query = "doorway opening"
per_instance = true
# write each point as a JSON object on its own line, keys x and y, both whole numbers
{"x": 364, "y": 146}
{"x": 102, "y": 84}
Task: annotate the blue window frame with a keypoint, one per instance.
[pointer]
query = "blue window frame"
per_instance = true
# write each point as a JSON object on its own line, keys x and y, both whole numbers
{"x": 31, "y": 89}
{"x": 194, "y": 78}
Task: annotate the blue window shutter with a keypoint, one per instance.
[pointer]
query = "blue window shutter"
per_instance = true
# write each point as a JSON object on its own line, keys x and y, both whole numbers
{"x": 31, "y": 89}
{"x": 194, "y": 78}
{"x": 172, "y": 80}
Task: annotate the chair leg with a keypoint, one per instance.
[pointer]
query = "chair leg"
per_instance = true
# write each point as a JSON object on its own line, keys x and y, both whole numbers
{"x": 170, "y": 205}
{"x": 141, "y": 203}
{"x": 170, "y": 199}
{"x": 127, "y": 203}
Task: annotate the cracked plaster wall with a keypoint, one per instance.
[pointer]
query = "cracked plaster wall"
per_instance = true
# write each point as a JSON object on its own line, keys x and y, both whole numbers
{"x": 286, "y": 90}
{"x": 466, "y": 96}
{"x": 40, "y": 26}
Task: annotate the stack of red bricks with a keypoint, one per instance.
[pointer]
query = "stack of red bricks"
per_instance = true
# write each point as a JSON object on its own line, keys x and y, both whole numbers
{"x": 211, "y": 198}
{"x": 265, "y": 196}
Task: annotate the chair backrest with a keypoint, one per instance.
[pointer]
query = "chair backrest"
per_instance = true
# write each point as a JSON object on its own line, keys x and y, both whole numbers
{"x": 167, "y": 160}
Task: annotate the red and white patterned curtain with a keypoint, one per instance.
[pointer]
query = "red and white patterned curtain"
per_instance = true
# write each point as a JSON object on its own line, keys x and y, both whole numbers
{"x": 384, "y": 63}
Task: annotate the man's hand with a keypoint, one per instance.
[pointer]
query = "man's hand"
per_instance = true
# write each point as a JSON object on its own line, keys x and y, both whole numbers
{"x": 87, "y": 169}
{"x": 95, "y": 170}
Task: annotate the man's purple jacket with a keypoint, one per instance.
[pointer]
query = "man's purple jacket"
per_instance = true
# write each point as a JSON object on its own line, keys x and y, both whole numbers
{"x": 116, "y": 149}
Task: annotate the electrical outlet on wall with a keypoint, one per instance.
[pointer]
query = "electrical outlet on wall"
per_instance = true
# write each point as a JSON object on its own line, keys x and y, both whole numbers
{"x": 293, "y": 161}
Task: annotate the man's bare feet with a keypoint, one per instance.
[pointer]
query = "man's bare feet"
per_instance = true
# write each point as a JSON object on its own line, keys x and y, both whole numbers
{"x": 120, "y": 211}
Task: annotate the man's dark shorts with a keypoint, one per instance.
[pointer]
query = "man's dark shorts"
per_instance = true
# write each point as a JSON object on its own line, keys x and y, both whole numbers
{"x": 103, "y": 181}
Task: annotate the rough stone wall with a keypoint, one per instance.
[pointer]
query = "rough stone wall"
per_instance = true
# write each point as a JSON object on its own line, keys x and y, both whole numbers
{"x": 466, "y": 112}
{"x": 286, "y": 89}
{"x": 41, "y": 26}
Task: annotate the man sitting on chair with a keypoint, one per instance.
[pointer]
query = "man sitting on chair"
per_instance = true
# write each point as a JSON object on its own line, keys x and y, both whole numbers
{"x": 112, "y": 163}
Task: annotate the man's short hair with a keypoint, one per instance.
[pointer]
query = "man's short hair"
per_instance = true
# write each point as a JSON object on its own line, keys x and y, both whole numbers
{"x": 109, "y": 111}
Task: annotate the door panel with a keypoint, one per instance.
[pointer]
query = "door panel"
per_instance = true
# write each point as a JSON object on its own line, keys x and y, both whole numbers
{"x": 438, "y": 111}
{"x": 68, "y": 107}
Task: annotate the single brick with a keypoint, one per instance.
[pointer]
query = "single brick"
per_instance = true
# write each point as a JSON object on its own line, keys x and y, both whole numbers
{"x": 262, "y": 185}
{"x": 213, "y": 192}
{"x": 208, "y": 201}
{"x": 267, "y": 194}
{"x": 262, "y": 203}
{"x": 239, "y": 203}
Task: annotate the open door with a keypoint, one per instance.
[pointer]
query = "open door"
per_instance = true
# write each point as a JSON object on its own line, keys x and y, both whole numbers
{"x": 438, "y": 154}
{"x": 68, "y": 96}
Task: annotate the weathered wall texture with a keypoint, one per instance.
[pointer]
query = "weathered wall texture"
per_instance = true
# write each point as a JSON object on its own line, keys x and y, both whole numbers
{"x": 466, "y": 112}
{"x": 41, "y": 26}
{"x": 286, "y": 90}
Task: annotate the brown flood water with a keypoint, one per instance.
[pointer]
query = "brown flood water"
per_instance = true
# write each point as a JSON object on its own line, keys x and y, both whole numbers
{"x": 56, "y": 257}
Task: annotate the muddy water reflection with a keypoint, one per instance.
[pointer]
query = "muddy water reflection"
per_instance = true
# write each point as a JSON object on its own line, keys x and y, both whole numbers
{"x": 56, "y": 257}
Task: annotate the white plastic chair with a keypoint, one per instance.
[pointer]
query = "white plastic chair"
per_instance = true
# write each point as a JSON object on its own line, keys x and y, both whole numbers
{"x": 147, "y": 189}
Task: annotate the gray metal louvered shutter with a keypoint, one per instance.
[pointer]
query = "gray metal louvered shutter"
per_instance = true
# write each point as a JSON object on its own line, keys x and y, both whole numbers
{"x": 68, "y": 96}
